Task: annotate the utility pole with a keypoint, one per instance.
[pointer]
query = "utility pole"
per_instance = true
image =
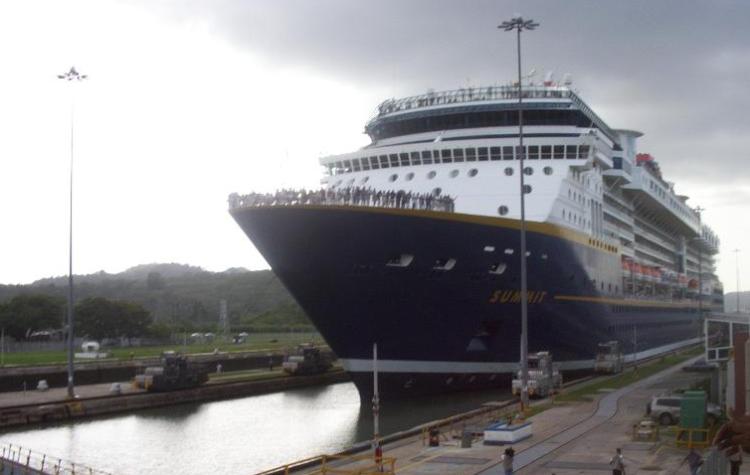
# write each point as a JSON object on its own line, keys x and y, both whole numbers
{"x": 737, "y": 265}
{"x": 700, "y": 210}
{"x": 519, "y": 24}
{"x": 376, "y": 408}
{"x": 72, "y": 77}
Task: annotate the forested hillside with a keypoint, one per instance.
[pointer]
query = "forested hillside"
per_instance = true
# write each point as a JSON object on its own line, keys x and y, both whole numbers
{"x": 185, "y": 296}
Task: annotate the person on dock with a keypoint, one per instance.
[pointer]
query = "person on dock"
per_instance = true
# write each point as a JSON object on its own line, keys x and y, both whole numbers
{"x": 508, "y": 460}
{"x": 694, "y": 461}
{"x": 618, "y": 463}
{"x": 735, "y": 460}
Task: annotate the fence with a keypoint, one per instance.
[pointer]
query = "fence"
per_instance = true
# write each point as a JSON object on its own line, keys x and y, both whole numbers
{"x": 15, "y": 459}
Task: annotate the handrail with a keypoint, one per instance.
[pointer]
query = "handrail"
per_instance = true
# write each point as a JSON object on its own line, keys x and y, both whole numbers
{"x": 30, "y": 461}
{"x": 386, "y": 465}
{"x": 476, "y": 94}
{"x": 349, "y": 196}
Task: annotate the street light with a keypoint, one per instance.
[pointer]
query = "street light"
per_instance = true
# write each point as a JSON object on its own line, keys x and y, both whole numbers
{"x": 71, "y": 76}
{"x": 700, "y": 210}
{"x": 519, "y": 24}
{"x": 737, "y": 265}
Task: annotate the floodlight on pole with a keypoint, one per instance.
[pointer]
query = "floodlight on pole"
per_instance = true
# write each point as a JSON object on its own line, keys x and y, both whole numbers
{"x": 71, "y": 76}
{"x": 518, "y": 24}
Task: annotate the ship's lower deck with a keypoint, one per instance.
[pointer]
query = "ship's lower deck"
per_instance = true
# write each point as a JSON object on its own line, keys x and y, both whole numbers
{"x": 438, "y": 292}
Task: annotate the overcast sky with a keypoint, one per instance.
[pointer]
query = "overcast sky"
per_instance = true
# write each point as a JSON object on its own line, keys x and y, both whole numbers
{"x": 189, "y": 101}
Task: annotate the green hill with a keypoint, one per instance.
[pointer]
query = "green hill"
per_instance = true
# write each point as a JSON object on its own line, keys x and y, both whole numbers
{"x": 186, "y": 296}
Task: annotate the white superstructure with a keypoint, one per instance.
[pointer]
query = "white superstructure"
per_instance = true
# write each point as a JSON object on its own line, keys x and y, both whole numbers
{"x": 580, "y": 175}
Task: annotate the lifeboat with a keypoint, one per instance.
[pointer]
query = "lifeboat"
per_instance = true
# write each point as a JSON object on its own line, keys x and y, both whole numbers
{"x": 627, "y": 267}
{"x": 637, "y": 271}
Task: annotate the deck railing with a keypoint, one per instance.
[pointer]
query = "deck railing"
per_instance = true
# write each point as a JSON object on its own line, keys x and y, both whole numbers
{"x": 17, "y": 459}
{"x": 350, "y": 196}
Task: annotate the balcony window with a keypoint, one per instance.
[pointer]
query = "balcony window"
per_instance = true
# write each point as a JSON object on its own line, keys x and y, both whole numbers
{"x": 546, "y": 152}
{"x": 482, "y": 154}
{"x": 495, "y": 153}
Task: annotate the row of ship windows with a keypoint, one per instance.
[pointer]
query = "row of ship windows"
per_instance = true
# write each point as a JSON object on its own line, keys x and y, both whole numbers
{"x": 449, "y": 263}
{"x": 509, "y": 171}
{"x": 480, "y": 154}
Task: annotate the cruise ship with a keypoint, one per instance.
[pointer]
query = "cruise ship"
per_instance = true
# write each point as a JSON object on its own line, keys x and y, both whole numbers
{"x": 413, "y": 241}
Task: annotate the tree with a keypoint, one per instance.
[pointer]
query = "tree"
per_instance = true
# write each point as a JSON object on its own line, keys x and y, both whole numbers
{"x": 134, "y": 320}
{"x": 96, "y": 318}
{"x": 155, "y": 281}
{"x": 24, "y": 314}
{"x": 99, "y": 318}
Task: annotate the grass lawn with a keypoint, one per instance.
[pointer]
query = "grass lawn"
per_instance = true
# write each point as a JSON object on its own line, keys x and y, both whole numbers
{"x": 255, "y": 342}
{"x": 627, "y": 377}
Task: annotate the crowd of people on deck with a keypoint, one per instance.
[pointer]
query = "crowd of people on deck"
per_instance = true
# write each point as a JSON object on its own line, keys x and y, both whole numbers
{"x": 349, "y": 196}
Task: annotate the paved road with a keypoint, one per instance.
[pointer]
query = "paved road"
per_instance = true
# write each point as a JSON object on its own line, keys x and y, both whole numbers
{"x": 606, "y": 409}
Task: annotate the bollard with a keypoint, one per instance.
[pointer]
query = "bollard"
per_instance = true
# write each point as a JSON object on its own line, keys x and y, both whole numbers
{"x": 434, "y": 440}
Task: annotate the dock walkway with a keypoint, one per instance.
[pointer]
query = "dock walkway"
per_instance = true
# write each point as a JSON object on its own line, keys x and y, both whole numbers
{"x": 576, "y": 438}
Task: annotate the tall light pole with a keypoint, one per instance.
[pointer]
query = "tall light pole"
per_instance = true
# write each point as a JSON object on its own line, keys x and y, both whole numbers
{"x": 737, "y": 265}
{"x": 519, "y": 24}
{"x": 700, "y": 210}
{"x": 71, "y": 76}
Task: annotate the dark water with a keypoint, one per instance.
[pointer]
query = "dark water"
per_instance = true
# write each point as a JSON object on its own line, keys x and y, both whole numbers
{"x": 239, "y": 436}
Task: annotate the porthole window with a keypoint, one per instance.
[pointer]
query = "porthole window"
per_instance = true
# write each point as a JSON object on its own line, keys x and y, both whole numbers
{"x": 365, "y": 180}
{"x": 409, "y": 176}
{"x": 509, "y": 171}
{"x": 431, "y": 175}
{"x": 502, "y": 210}
{"x": 498, "y": 268}
{"x": 437, "y": 191}
{"x": 473, "y": 172}
{"x": 454, "y": 173}
{"x": 528, "y": 171}
{"x": 527, "y": 189}
{"x": 548, "y": 170}
{"x": 393, "y": 177}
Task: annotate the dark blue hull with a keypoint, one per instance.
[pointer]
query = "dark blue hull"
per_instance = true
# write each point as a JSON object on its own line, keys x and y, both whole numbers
{"x": 440, "y": 329}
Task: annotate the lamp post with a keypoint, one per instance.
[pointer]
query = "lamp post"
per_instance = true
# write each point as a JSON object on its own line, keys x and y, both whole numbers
{"x": 737, "y": 265}
{"x": 71, "y": 76}
{"x": 519, "y": 24}
{"x": 700, "y": 210}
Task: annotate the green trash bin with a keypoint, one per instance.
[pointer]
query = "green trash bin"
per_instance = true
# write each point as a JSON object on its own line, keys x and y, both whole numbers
{"x": 693, "y": 413}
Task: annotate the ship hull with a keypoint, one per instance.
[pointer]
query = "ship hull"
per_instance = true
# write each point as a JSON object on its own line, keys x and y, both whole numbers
{"x": 441, "y": 329}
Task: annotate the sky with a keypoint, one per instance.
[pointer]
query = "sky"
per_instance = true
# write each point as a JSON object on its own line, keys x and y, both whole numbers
{"x": 188, "y": 101}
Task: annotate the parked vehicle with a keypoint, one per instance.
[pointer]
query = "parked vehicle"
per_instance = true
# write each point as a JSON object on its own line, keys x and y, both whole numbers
{"x": 609, "y": 358}
{"x": 666, "y": 410}
{"x": 308, "y": 360}
{"x": 544, "y": 377}
{"x": 175, "y": 372}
